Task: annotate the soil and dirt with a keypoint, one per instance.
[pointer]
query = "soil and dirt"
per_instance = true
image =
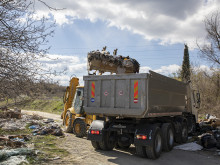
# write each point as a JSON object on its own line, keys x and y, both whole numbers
{"x": 80, "y": 151}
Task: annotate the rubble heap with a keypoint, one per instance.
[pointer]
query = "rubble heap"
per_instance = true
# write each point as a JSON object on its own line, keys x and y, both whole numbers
{"x": 210, "y": 132}
{"x": 104, "y": 62}
{"x": 15, "y": 148}
{"x": 7, "y": 113}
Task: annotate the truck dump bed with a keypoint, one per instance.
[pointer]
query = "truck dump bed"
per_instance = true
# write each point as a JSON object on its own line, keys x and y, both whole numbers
{"x": 134, "y": 95}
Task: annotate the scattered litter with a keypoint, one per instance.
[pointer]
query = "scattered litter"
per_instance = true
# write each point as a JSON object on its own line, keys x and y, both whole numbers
{"x": 208, "y": 116}
{"x": 56, "y": 158}
{"x": 6, "y": 153}
{"x": 189, "y": 147}
{"x": 15, "y": 160}
{"x": 48, "y": 121}
{"x": 34, "y": 127}
{"x": 13, "y": 141}
{"x": 211, "y": 122}
{"x": 52, "y": 129}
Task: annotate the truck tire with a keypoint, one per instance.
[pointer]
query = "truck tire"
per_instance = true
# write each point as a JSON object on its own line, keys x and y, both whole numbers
{"x": 79, "y": 128}
{"x": 182, "y": 137}
{"x": 106, "y": 145}
{"x": 141, "y": 151}
{"x": 68, "y": 122}
{"x": 95, "y": 145}
{"x": 167, "y": 137}
{"x": 154, "y": 150}
{"x": 184, "y": 132}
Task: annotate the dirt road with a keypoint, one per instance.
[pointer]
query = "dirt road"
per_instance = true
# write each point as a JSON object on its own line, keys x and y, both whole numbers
{"x": 43, "y": 114}
{"x": 82, "y": 152}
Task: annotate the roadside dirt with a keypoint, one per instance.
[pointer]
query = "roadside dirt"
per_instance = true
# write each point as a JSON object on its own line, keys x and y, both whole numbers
{"x": 82, "y": 152}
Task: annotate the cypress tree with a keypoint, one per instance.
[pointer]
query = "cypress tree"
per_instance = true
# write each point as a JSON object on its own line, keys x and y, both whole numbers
{"x": 185, "y": 72}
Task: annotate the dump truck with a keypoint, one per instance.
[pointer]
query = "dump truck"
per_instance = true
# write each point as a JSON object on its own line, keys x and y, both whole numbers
{"x": 74, "y": 117}
{"x": 148, "y": 110}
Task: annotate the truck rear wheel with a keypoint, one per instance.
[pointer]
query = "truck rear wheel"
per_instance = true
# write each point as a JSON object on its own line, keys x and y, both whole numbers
{"x": 182, "y": 137}
{"x": 141, "y": 151}
{"x": 154, "y": 150}
{"x": 68, "y": 122}
{"x": 95, "y": 145}
{"x": 167, "y": 137}
{"x": 79, "y": 128}
{"x": 184, "y": 133}
{"x": 106, "y": 144}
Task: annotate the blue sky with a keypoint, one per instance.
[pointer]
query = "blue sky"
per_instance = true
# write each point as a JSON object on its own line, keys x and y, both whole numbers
{"x": 152, "y": 32}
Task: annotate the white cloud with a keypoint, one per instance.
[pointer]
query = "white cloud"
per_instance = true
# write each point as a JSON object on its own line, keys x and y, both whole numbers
{"x": 73, "y": 66}
{"x": 170, "y": 21}
{"x": 164, "y": 70}
{"x": 144, "y": 69}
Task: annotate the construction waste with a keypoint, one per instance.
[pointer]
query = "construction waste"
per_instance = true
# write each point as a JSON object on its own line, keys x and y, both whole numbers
{"x": 15, "y": 156}
{"x": 15, "y": 148}
{"x": 210, "y": 132}
{"x": 207, "y": 136}
{"x": 104, "y": 62}
{"x": 49, "y": 129}
{"x": 7, "y": 113}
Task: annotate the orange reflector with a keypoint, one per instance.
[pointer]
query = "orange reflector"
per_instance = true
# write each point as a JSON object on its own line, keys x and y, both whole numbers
{"x": 143, "y": 137}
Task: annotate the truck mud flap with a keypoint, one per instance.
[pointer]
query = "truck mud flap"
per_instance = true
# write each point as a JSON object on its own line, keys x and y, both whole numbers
{"x": 96, "y": 131}
{"x": 147, "y": 132}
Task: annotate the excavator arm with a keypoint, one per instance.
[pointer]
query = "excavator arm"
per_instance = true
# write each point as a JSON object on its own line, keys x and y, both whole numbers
{"x": 69, "y": 95}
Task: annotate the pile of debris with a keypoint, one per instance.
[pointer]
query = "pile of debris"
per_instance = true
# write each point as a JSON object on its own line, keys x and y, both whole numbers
{"x": 15, "y": 148}
{"x": 13, "y": 141}
{"x": 7, "y": 113}
{"x": 15, "y": 156}
{"x": 207, "y": 136}
{"x": 210, "y": 132}
{"x": 49, "y": 129}
{"x": 104, "y": 62}
{"x": 19, "y": 121}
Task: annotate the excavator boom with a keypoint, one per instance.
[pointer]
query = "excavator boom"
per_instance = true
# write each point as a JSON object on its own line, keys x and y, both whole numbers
{"x": 69, "y": 95}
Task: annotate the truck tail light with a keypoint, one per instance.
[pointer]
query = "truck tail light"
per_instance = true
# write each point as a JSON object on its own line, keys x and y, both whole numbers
{"x": 143, "y": 137}
{"x": 95, "y": 132}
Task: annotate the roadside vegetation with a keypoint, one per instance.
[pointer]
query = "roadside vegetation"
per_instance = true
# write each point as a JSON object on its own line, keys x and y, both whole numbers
{"x": 50, "y": 99}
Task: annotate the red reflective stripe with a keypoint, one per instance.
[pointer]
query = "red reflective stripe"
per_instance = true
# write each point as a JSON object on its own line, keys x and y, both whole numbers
{"x": 93, "y": 94}
{"x": 136, "y": 84}
{"x": 136, "y": 94}
{"x": 93, "y": 89}
{"x": 93, "y": 85}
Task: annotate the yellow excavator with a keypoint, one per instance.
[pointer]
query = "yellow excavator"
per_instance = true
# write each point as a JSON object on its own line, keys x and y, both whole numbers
{"x": 74, "y": 117}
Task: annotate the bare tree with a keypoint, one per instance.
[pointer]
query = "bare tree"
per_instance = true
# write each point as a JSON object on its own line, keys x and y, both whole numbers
{"x": 22, "y": 43}
{"x": 211, "y": 50}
